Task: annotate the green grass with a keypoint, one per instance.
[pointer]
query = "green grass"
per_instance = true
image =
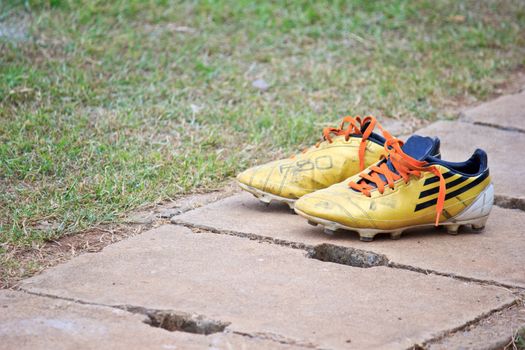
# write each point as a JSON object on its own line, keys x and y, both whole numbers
{"x": 106, "y": 106}
{"x": 518, "y": 341}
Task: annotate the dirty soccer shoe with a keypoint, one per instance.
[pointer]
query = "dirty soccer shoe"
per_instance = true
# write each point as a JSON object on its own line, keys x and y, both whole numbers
{"x": 410, "y": 188}
{"x": 341, "y": 153}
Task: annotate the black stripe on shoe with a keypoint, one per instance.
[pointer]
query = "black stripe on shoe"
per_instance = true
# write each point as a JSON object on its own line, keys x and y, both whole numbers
{"x": 455, "y": 193}
{"x": 450, "y": 184}
{"x": 431, "y": 180}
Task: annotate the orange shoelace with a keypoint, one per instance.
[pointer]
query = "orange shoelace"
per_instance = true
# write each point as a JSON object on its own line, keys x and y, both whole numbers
{"x": 405, "y": 166}
{"x": 354, "y": 128}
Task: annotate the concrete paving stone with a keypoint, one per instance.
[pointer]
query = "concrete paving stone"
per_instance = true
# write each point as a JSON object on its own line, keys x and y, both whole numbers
{"x": 460, "y": 139}
{"x": 34, "y": 322}
{"x": 493, "y": 255}
{"x": 271, "y": 291}
{"x": 507, "y": 112}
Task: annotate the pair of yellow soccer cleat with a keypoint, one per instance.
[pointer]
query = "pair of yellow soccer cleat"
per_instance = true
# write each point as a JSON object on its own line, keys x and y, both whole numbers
{"x": 355, "y": 179}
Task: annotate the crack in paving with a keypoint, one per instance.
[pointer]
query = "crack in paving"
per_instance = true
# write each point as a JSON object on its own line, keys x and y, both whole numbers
{"x": 416, "y": 269}
{"x": 169, "y": 320}
{"x": 464, "y": 326}
{"x": 346, "y": 256}
{"x": 496, "y": 126}
{"x": 173, "y": 321}
{"x": 505, "y": 331}
{"x": 343, "y": 255}
{"x": 250, "y": 236}
{"x": 509, "y": 202}
{"x": 324, "y": 252}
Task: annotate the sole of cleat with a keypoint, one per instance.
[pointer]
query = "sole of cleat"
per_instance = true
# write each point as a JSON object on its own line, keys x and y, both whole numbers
{"x": 367, "y": 235}
{"x": 266, "y": 197}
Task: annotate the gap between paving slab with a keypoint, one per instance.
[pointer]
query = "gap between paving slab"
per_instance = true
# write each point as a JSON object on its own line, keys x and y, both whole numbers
{"x": 268, "y": 289}
{"x": 505, "y": 112}
{"x": 177, "y": 321}
{"x": 34, "y": 322}
{"x": 493, "y": 332}
{"x": 494, "y": 256}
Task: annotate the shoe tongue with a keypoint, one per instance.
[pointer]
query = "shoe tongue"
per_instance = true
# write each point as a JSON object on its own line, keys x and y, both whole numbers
{"x": 417, "y": 147}
{"x": 420, "y": 147}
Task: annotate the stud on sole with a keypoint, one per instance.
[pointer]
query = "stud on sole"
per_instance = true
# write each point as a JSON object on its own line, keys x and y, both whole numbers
{"x": 396, "y": 235}
{"x": 452, "y": 229}
{"x": 330, "y": 231}
{"x": 478, "y": 227}
{"x": 265, "y": 199}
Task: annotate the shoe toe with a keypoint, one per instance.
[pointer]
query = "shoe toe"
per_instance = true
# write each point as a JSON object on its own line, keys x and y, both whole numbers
{"x": 262, "y": 177}
{"x": 320, "y": 206}
{"x": 245, "y": 176}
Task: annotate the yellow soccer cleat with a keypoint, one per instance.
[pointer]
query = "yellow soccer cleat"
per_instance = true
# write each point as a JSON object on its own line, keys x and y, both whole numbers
{"x": 342, "y": 152}
{"x": 410, "y": 188}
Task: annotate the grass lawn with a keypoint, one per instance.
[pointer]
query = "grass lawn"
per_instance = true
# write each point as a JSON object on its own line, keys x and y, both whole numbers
{"x": 106, "y": 106}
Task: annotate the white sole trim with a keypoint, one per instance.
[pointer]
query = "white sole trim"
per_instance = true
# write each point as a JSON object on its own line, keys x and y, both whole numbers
{"x": 266, "y": 197}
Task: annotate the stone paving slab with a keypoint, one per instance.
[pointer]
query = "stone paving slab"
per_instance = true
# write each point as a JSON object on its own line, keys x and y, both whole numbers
{"x": 271, "y": 291}
{"x": 460, "y": 139}
{"x": 497, "y": 254}
{"x": 507, "y": 112}
{"x": 34, "y": 322}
